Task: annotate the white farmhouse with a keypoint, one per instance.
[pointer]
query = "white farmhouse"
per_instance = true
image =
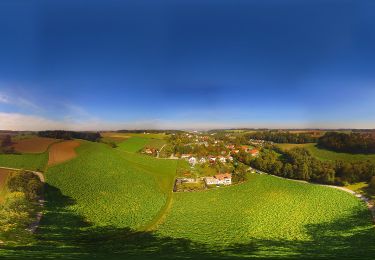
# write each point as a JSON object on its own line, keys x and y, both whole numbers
{"x": 185, "y": 156}
{"x": 219, "y": 179}
{"x": 202, "y": 160}
{"x": 192, "y": 161}
{"x": 222, "y": 159}
{"x": 210, "y": 181}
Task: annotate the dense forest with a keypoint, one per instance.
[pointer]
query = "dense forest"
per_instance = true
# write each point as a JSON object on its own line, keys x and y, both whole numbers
{"x": 299, "y": 164}
{"x": 282, "y": 137}
{"x": 349, "y": 143}
{"x": 67, "y": 135}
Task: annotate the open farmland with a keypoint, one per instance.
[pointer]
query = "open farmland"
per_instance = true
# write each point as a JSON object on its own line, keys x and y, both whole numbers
{"x": 155, "y": 143}
{"x": 149, "y": 135}
{"x": 113, "y": 137}
{"x": 133, "y": 144}
{"x": 62, "y": 152}
{"x": 326, "y": 155}
{"x": 33, "y": 144}
{"x": 124, "y": 136}
{"x": 25, "y": 161}
{"x": 104, "y": 202}
{"x": 112, "y": 187}
{"x": 267, "y": 212}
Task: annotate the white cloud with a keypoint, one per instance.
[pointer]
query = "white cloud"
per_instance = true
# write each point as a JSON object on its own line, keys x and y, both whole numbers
{"x": 4, "y": 99}
{"x": 19, "y": 101}
{"x": 22, "y": 122}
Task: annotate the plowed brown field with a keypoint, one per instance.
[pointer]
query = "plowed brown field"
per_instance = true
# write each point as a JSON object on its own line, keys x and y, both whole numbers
{"x": 61, "y": 152}
{"x": 33, "y": 144}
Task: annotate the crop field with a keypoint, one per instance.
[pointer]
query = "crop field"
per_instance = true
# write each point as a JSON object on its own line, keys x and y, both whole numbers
{"x": 24, "y": 161}
{"x": 125, "y": 136}
{"x": 155, "y": 143}
{"x": 133, "y": 144}
{"x": 63, "y": 151}
{"x": 104, "y": 202}
{"x": 326, "y": 155}
{"x": 112, "y": 188}
{"x": 113, "y": 137}
{"x": 33, "y": 144}
{"x": 149, "y": 135}
{"x": 268, "y": 212}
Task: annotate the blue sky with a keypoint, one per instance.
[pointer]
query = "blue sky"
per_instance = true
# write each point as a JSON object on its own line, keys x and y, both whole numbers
{"x": 187, "y": 64}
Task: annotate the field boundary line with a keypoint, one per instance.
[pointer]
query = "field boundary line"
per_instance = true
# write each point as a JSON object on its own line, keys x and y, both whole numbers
{"x": 35, "y": 224}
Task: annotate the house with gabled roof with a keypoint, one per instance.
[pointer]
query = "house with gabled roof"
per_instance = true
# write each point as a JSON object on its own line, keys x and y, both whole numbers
{"x": 219, "y": 179}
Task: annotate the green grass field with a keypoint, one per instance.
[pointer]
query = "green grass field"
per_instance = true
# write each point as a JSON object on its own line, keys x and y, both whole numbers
{"x": 24, "y": 161}
{"x": 150, "y": 135}
{"x": 103, "y": 204}
{"x": 141, "y": 135}
{"x": 155, "y": 143}
{"x": 327, "y": 155}
{"x": 268, "y": 216}
{"x": 112, "y": 187}
{"x": 133, "y": 144}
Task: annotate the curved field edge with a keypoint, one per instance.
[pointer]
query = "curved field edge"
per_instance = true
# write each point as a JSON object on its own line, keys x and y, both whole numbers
{"x": 62, "y": 151}
{"x": 108, "y": 187}
{"x": 34, "y": 144}
{"x": 269, "y": 211}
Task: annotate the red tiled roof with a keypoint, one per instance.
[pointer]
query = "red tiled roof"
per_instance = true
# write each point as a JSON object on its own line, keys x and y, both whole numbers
{"x": 223, "y": 176}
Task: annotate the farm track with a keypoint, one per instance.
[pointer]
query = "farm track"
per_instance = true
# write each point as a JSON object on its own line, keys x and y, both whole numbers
{"x": 160, "y": 215}
{"x": 35, "y": 224}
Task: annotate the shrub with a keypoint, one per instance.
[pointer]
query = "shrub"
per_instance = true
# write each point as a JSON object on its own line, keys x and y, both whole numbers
{"x": 26, "y": 182}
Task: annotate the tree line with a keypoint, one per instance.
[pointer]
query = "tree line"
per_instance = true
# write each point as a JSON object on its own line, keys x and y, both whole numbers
{"x": 6, "y": 145}
{"x": 282, "y": 137}
{"x": 151, "y": 131}
{"x": 298, "y": 163}
{"x": 68, "y": 135}
{"x": 348, "y": 143}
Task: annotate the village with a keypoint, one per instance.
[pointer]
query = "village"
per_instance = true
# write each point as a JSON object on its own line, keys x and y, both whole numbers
{"x": 207, "y": 160}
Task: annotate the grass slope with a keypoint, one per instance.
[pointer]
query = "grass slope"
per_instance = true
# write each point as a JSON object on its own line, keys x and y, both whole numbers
{"x": 133, "y": 144}
{"x": 326, "y": 155}
{"x": 112, "y": 187}
{"x": 277, "y": 216}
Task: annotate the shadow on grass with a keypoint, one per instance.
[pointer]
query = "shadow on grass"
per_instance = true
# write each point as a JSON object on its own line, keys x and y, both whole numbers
{"x": 66, "y": 235}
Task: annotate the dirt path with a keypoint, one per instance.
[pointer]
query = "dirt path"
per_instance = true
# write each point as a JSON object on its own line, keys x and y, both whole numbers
{"x": 160, "y": 216}
{"x": 157, "y": 156}
{"x": 35, "y": 224}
